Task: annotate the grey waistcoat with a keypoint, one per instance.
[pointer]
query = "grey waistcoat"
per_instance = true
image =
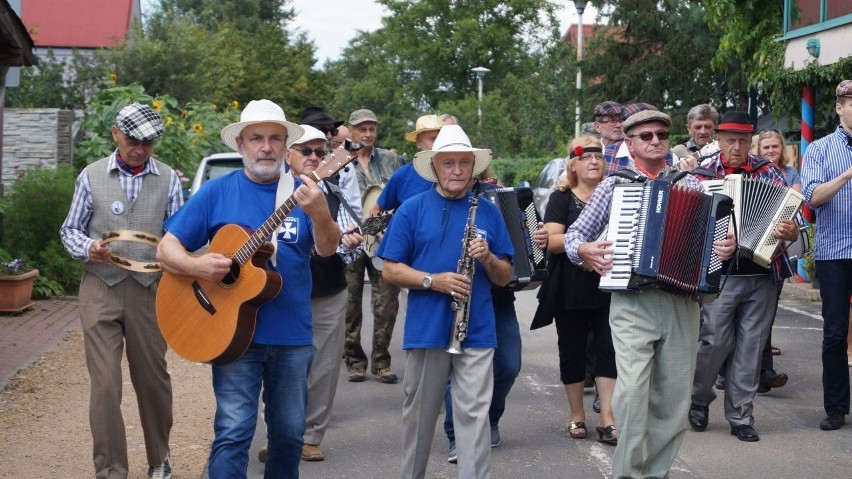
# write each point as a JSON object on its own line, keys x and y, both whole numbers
{"x": 112, "y": 211}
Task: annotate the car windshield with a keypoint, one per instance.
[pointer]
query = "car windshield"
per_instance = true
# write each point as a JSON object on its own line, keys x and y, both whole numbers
{"x": 220, "y": 168}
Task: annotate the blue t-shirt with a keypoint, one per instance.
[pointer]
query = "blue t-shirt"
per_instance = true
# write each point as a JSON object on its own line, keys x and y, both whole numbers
{"x": 402, "y": 185}
{"x": 426, "y": 234}
{"x": 235, "y": 199}
{"x": 792, "y": 177}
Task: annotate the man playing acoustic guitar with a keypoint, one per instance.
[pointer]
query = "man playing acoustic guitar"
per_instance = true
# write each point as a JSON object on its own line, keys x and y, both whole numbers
{"x": 280, "y": 353}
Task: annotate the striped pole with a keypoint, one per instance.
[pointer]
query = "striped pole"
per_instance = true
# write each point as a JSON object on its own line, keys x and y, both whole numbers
{"x": 808, "y": 108}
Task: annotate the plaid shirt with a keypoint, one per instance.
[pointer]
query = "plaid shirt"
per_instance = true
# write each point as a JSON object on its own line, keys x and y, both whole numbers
{"x": 594, "y": 218}
{"x": 769, "y": 172}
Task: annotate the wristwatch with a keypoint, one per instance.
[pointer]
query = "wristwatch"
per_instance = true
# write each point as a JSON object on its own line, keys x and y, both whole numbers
{"x": 427, "y": 281}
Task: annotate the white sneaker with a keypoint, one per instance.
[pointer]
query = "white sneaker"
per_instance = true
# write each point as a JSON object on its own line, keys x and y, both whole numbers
{"x": 163, "y": 471}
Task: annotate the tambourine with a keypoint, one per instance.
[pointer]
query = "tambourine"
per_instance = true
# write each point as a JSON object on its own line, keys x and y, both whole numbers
{"x": 133, "y": 237}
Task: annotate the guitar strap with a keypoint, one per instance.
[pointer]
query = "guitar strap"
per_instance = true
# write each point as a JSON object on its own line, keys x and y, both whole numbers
{"x": 336, "y": 191}
{"x": 284, "y": 191}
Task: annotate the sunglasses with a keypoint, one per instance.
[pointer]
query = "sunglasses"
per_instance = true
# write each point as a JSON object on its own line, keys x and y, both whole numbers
{"x": 307, "y": 151}
{"x": 648, "y": 135}
{"x": 134, "y": 142}
{"x": 333, "y": 131}
{"x": 610, "y": 119}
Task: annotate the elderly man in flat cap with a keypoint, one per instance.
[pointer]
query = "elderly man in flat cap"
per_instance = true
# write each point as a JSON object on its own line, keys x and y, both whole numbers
{"x": 655, "y": 333}
{"x": 826, "y": 175}
{"x": 129, "y": 189}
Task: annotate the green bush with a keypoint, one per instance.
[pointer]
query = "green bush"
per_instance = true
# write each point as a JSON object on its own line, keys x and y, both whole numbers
{"x": 32, "y": 213}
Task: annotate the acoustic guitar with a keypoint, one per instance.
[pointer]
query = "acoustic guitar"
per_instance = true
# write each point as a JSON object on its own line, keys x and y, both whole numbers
{"x": 213, "y": 321}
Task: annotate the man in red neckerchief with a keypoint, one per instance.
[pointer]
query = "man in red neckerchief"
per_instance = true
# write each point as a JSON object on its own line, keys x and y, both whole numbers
{"x": 739, "y": 321}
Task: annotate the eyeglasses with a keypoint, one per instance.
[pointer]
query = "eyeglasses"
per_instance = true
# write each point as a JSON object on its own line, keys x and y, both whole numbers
{"x": 307, "y": 151}
{"x": 333, "y": 131}
{"x": 592, "y": 156}
{"x": 610, "y": 119}
{"x": 134, "y": 142}
{"x": 648, "y": 135}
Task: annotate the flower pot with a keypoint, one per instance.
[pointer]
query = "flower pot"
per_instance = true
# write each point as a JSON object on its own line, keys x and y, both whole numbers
{"x": 16, "y": 292}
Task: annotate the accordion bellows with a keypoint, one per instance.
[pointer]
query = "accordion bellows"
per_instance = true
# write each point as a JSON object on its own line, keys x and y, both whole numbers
{"x": 759, "y": 205}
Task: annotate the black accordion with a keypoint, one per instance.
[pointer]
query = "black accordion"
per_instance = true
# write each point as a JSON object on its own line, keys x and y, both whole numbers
{"x": 663, "y": 237}
{"x": 759, "y": 205}
{"x": 529, "y": 267}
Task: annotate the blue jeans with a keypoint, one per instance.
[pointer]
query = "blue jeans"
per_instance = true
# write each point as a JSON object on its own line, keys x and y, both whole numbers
{"x": 507, "y": 366}
{"x": 835, "y": 287}
{"x": 283, "y": 373}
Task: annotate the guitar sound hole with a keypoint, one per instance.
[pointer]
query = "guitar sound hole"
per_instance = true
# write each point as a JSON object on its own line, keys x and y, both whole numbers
{"x": 232, "y": 277}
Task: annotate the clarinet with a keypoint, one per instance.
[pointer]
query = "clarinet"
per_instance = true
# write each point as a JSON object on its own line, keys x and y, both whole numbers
{"x": 465, "y": 266}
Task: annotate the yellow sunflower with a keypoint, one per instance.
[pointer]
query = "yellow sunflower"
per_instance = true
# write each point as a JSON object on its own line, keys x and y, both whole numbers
{"x": 197, "y": 128}
{"x": 157, "y": 105}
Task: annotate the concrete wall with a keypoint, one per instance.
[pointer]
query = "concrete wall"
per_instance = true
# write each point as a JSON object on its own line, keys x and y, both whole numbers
{"x": 35, "y": 137}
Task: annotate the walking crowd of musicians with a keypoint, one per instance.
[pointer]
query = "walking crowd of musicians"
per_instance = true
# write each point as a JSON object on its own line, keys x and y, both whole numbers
{"x": 318, "y": 205}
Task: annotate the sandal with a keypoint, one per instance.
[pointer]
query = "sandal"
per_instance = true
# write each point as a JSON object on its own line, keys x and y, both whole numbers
{"x": 577, "y": 430}
{"x": 607, "y": 435}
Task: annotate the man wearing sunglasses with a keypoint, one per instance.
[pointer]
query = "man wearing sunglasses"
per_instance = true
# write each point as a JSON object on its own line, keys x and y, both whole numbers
{"x": 654, "y": 333}
{"x": 739, "y": 321}
{"x": 333, "y": 131}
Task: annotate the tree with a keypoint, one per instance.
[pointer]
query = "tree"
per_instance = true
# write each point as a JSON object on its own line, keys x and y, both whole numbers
{"x": 422, "y": 55}
{"x": 656, "y": 52}
{"x": 55, "y": 83}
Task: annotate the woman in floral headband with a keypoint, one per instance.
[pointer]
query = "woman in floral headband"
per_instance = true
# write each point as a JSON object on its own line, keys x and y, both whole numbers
{"x": 571, "y": 294}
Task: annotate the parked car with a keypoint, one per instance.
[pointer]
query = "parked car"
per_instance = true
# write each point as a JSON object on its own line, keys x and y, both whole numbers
{"x": 215, "y": 165}
{"x": 545, "y": 183}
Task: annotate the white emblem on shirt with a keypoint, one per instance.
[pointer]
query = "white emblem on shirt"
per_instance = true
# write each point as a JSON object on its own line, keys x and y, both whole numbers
{"x": 289, "y": 230}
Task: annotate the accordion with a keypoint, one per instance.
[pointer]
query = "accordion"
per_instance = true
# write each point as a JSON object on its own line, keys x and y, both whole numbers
{"x": 663, "y": 237}
{"x": 759, "y": 205}
{"x": 529, "y": 267}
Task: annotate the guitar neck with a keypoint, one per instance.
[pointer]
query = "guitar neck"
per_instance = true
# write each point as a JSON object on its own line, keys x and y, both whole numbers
{"x": 265, "y": 231}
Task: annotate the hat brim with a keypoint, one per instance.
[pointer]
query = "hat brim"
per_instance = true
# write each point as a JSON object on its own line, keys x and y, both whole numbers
{"x": 423, "y": 161}
{"x": 231, "y": 132}
{"x": 412, "y": 135}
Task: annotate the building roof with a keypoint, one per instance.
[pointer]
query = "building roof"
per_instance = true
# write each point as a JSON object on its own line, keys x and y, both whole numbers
{"x": 79, "y": 23}
{"x": 16, "y": 45}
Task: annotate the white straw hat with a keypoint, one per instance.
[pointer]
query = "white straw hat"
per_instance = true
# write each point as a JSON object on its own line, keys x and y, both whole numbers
{"x": 451, "y": 139}
{"x": 259, "y": 111}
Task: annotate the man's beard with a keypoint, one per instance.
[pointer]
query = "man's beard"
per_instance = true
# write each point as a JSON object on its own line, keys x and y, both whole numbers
{"x": 264, "y": 173}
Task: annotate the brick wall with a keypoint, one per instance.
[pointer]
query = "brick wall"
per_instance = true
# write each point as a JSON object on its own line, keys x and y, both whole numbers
{"x": 35, "y": 137}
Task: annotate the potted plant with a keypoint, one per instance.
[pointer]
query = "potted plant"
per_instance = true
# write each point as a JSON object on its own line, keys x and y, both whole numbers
{"x": 16, "y": 286}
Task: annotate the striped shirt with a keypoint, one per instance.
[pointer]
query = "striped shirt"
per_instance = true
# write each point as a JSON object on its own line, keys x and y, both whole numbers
{"x": 594, "y": 218}
{"x": 73, "y": 230}
{"x": 824, "y": 160}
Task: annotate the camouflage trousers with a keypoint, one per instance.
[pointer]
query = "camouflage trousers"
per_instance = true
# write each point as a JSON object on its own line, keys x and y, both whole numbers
{"x": 385, "y": 305}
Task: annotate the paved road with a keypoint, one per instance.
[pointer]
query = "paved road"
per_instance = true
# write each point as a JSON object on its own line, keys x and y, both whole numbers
{"x": 363, "y": 440}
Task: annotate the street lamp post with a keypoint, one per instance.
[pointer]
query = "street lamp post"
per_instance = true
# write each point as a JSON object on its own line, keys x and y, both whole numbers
{"x": 580, "y": 5}
{"x": 480, "y": 74}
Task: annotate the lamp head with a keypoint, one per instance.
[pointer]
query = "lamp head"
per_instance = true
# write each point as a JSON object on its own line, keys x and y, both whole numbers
{"x": 813, "y": 47}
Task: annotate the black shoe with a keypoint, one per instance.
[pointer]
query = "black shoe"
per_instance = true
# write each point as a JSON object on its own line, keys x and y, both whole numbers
{"x": 720, "y": 383}
{"x": 744, "y": 432}
{"x": 596, "y": 404}
{"x": 769, "y": 379}
{"x": 698, "y": 417}
{"x": 833, "y": 420}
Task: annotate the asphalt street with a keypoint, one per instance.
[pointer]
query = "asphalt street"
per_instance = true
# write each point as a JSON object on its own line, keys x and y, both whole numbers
{"x": 363, "y": 440}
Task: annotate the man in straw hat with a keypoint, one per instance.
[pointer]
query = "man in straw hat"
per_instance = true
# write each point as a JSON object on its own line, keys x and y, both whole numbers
{"x": 281, "y": 351}
{"x": 375, "y": 166}
{"x": 736, "y": 326}
{"x": 655, "y": 333}
{"x": 827, "y": 186}
{"x": 117, "y": 309}
{"x": 405, "y": 182}
{"x": 421, "y": 250}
